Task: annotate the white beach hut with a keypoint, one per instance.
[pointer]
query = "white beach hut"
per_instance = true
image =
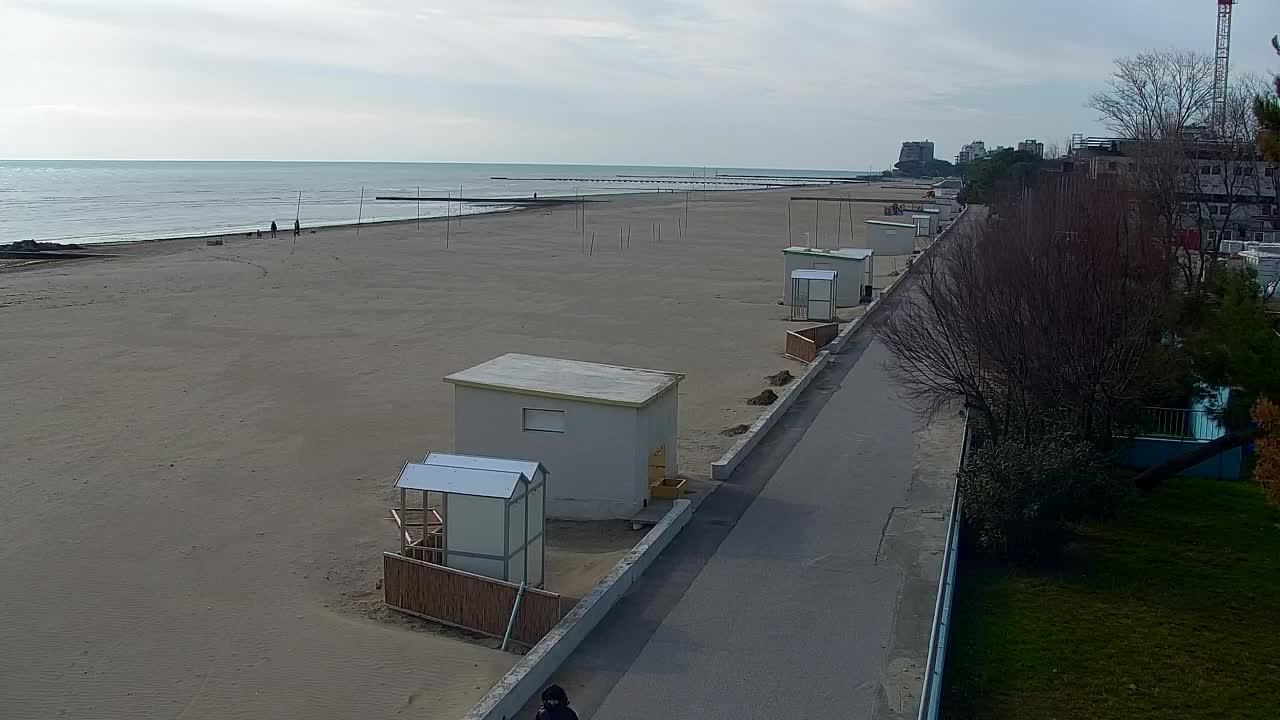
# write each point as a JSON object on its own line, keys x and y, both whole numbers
{"x": 813, "y": 295}
{"x": 493, "y": 511}
{"x": 603, "y": 432}
{"x": 923, "y": 224}
{"x": 890, "y": 238}
{"x": 855, "y": 267}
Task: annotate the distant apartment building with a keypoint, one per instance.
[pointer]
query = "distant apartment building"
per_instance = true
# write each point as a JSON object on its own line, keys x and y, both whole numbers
{"x": 1228, "y": 194}
{"x": 973, "y": 151}
{"x": 1032, "y": 146}
{"x": 920, "y": 151}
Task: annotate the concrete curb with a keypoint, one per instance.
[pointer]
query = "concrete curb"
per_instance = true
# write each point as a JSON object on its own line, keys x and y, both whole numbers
{"x": 721, "y": 469}
{"x": 527, "y": 678}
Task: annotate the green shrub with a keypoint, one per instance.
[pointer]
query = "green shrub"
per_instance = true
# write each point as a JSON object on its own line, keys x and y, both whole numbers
{"x": 1021, "y": 497}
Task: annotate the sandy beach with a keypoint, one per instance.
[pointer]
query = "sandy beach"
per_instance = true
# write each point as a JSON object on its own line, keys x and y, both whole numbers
{"x": 199, "y": 442}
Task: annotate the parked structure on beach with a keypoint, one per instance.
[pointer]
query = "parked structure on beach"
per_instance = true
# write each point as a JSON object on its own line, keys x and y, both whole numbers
{"x": 489, "y": 520}
{"x": 885, "y": 237}
{"x": 600, "y": 430}
{"x": 854, "y": 267}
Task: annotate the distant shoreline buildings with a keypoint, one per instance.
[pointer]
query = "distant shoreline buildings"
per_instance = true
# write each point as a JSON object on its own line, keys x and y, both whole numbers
{"x": 920, "y": 151}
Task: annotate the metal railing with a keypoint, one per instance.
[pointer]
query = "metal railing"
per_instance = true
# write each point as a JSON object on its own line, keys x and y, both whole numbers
{"x": 1179, "y": 423}
{"x": 931, "y": 693}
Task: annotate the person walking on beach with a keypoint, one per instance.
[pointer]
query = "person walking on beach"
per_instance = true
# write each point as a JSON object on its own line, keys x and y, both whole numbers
{"x": 273, "y": 228}
{"x": 297, "y": 228}
{"x": 555, "y": 705}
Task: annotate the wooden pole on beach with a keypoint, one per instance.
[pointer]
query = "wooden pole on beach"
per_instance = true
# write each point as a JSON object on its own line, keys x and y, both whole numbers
{"x": 850, "y": 206}
{"x": 839, "y": 222}
{"x": 628, "y": 234}
{"x": 419, "y": 210}
{"x": 816, "y": 237}
{"x": 360, "y": 214}
{"x": 459, "y": 206}
{"x": 686, "y": 212}
{"x": 592, "y": 250}
{"x": 789, "y": 243}
{"x": 448, "y": 218}
{"x": 653, "y": 232}
{"x": 619, "y": 237}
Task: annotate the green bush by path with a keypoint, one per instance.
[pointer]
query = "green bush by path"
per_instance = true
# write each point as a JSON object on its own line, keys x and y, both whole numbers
{"x": 1170, "y": 610}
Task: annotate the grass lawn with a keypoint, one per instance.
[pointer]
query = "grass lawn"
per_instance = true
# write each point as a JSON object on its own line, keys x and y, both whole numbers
{"x": 1170, "y": 610}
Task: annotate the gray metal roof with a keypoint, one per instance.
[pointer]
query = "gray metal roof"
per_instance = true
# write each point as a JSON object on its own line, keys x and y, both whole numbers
{"x": 459, "y": 481}
{"x": 838, "y": 253}
{"x": 528, "y": 468}
{"x": 813, "y": 274}
{"x": 568, "y": 380}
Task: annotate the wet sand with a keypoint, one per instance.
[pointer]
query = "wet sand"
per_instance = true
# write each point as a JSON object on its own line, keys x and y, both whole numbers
{"x": 198, "y": 442}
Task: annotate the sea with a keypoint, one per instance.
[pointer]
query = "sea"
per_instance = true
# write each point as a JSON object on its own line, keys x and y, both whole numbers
{"x": 119, "y": 201}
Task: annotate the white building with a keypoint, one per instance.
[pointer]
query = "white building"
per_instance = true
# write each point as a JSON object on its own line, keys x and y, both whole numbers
{"x": 493, "y": 511}
{"x": 596, "y": 428}
{"x": 931, "y": 216}
{"x": 975, "y": 150}
{"x": 813, "y": 295}
{"x": 885, "y": 237}
{"x": 1267, "y": 265}
{"x": 854, "y": 267}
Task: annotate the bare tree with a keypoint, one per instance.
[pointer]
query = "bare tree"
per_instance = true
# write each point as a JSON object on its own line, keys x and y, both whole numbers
{"x": 1157, "y": 94}
{"x": 1041, "y": 312}
{"x": 1201, "y": 181}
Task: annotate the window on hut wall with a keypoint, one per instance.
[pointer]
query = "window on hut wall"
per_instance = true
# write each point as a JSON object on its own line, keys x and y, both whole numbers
{"x": 537, "y": 420}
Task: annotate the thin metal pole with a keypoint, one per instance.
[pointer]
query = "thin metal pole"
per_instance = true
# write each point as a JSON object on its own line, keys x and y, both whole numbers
{"x": 511, "y": 623}
{"x": 459, "y": 206}
{"x": 448, "y": 219}
{"x": 360, "y": 214}
{"x": 297, "y": 215}
{"x": 418, "y": 212}
{"x": 619, "y": 237}
{"x": 592, "y": 250}
{"x": 686, "y": 212}
{"x": 816, "y": 237}
{"x": 789, "y": 243}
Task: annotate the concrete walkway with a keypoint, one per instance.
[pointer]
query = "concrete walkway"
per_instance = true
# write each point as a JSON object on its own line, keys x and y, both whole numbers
{"x": 804, "y": 586}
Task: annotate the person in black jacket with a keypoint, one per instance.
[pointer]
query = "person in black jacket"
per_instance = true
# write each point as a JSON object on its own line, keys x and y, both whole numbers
{"x": 555, "y": 705}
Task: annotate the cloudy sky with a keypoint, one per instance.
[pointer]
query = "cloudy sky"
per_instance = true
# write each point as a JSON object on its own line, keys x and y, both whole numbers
{"x": 763, "y": 83}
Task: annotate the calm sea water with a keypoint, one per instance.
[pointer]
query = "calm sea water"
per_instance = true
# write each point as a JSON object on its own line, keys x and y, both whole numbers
{"x": 107, "y": 201}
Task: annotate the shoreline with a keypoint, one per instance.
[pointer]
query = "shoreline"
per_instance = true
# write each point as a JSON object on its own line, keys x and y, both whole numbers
{"x": 585, "y": 197}
{"x": 226, "y": 454}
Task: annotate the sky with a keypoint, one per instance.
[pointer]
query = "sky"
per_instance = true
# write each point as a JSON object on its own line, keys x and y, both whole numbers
{"x": 833, "y": 84}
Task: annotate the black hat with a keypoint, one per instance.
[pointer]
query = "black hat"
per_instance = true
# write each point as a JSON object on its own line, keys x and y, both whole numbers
{"x": 555, "y": 693}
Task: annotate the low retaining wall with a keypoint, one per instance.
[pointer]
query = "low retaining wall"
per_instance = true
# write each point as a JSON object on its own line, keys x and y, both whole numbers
{"x": 940, "y": 629}
{"x": 532, "y": 671}
{"x": 1145, "y": 452}
{"x": 724, "y": 467}
{"x": 465, "y": 600}
{"x": 804, "y": 344}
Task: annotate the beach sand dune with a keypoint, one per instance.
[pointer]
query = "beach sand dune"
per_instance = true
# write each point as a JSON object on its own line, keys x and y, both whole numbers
{"x": 198, "y": 443}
